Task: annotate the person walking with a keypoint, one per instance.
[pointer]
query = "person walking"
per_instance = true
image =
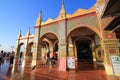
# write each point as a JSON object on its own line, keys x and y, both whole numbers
{"x": 1, "y": 57}
{"x": 54, "y": 59}
{"x": 11, "y": 59}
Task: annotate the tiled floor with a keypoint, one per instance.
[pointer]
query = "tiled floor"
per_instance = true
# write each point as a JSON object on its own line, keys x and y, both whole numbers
{"x": 49, "y": 73}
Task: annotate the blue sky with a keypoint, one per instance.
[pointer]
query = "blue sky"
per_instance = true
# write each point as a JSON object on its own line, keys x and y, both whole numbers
{"x": 16, "y": 15}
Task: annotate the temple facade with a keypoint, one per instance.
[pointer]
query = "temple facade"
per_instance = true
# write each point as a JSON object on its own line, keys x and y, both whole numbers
{"x": 80, "y": 35}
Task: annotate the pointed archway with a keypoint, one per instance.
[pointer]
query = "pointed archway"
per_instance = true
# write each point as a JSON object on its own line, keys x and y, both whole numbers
{"x": 84, "y": 50}
{"x": 83, "y": 44}
{"x": 47, "y": 42}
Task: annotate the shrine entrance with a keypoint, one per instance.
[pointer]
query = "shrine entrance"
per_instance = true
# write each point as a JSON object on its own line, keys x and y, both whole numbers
{"x": 84, "y": 54}
{"x": 84, "y": 45}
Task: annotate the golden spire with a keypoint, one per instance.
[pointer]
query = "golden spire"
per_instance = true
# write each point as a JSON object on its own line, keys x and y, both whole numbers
{"x": 39, "y": 19}
{"x": 20, "y": 34}
{"x": 28, "y": 33}
{"x": 62, "y": 13}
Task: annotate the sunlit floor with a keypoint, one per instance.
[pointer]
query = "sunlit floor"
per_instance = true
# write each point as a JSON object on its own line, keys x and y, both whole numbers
{"x": 49, "y": 73}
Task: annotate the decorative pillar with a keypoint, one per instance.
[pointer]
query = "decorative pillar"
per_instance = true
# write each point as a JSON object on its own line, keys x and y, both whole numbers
{"x": 110, "y": 47}
{"x": 36, "y": 46}
{"x": 26, "y": 52}
{"x": 62, "y": 49}
{"x": 93, "y": 51}
{"x": 16, "y": 58}
{"x": 62, "y": 56}
{"x": 62, "y": 32}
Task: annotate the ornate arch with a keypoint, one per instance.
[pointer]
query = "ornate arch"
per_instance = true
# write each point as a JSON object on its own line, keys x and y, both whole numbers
{"x": 49, "y": 32}
{"x": 89, "y": 27}
{"x": 44, "y": 38}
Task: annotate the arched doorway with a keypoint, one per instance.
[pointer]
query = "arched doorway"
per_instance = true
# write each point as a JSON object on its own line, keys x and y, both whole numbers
{"x": 84, "y": 50}
{"x": 47, "y": 42}
{"x": 19, "y": 57}
{"x": 84, "y": 54}
{"x": 82, "y": 45}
